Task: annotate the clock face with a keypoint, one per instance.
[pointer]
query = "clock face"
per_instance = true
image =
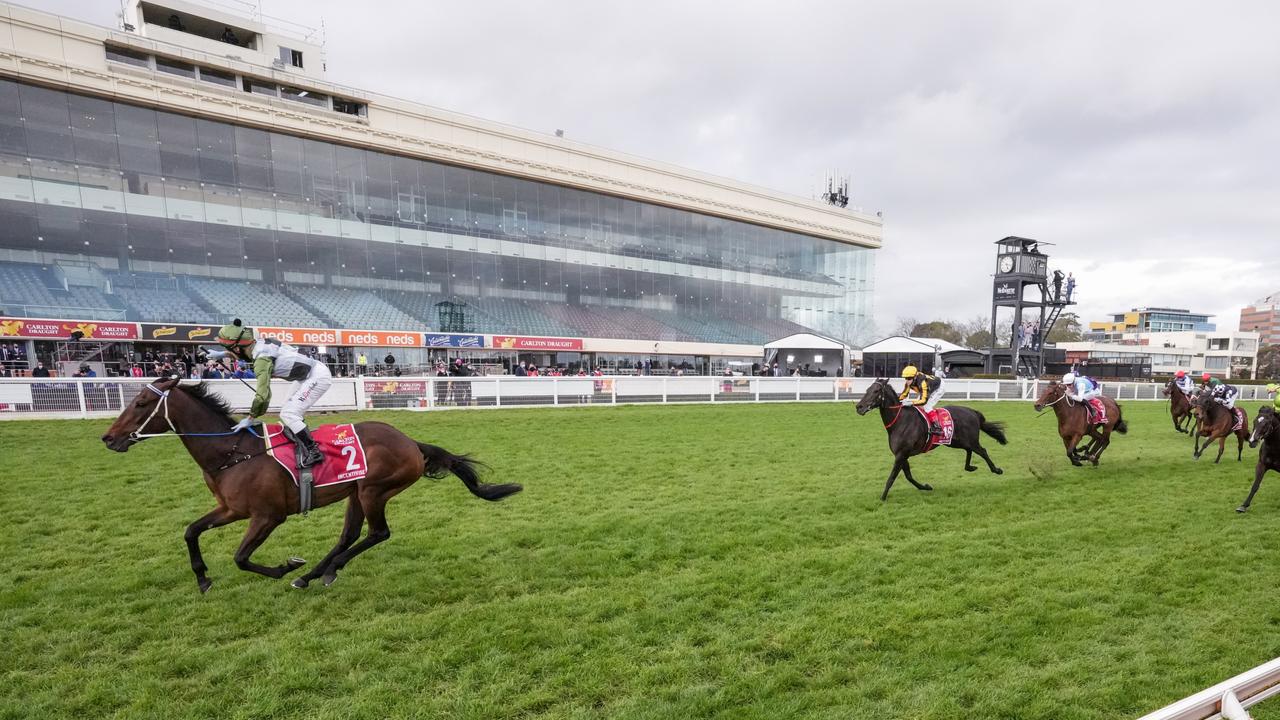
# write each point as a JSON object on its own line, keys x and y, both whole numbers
{"x": 1006, "y": 264}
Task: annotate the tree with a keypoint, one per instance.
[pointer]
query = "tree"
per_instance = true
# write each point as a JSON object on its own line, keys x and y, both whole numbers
{"x": 1067, "y": 329}
{"x": 1269, "y": 361}
{"x": 940, "y": 329}
{"x": 904, "y": 326}
{"x": 978, "y": 339}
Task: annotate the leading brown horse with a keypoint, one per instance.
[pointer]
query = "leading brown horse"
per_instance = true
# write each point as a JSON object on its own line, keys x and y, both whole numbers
{"x": 249, "y": 484}
{"x": 1074, "y": 423}
{"x": 1216, "y": 423}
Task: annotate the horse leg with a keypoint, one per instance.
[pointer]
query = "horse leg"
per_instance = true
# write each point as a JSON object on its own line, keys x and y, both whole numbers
{"x": 260, "y": 527}
{"x": 350, "y": 531}
{"x": 1257, "y": 483}
{"x": 1103, "y": 443}
{"x": 1198, "y": 449}
{"x": 906, "y": 470}
{"x": 1070, "y": 442}
{"x": 1222, "y": 446}
{"x": 968, "y": 460}
{"x": 216, "y": 518}
{"x": 375, "y": 513}
{"x": 893, "y": 475}
{"x": 982, "y": 453}
{"x": 1240, "y": 449}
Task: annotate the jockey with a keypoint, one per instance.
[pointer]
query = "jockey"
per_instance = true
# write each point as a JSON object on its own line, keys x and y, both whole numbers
{"x": 1273, "y": 389}
{"x": 1082, "y": 389}
{"x": 1224, "y": 393}
{"x": 1205, "y": 381}
{"x": 274, "y": 359}
{"x": 928, "y": 387}
{"x": 1184, "y": 383}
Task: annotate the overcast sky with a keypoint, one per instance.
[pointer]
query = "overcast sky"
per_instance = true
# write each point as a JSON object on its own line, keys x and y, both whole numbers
{"x": 1143, "y": 138}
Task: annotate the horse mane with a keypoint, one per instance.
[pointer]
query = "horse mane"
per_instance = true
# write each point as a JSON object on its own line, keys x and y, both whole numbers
{"x": 204, "y": 393}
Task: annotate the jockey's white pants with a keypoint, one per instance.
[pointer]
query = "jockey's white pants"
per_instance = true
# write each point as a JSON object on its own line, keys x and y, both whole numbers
{"x": 303, "y": 394}
{"x": 935, "y": 396}
{"x": 1228, "y": 402}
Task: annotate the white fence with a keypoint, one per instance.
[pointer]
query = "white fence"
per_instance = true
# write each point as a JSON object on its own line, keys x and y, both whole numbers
{"x": 105, "y": 397}
{"x": 1229, "y": 699}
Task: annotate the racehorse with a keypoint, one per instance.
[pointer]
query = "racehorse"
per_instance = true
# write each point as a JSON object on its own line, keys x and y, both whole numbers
{"x": 249, "y": 484}
{"x": 1216, "y": 423}
{"x": 909, "y": 432}
{"x": 1266, "y": 428}
{"x": 1074, "y": 423}
{"x": 1179, "y": 407}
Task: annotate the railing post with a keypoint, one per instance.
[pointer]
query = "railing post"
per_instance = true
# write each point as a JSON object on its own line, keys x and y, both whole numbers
{"x": 755, "y": 383}
{"x": 613, "y": 391}
{"x": 431, "y": 392}
{"x": 664, "y": 389}
{"x": 797, "y": 388}
{"x": 84, "y": 408}
{"x": 361, "y": 396}
{"x": 835, "y": 390}
{"x": 555, "y": 391}
{"x": 497, "y": 391}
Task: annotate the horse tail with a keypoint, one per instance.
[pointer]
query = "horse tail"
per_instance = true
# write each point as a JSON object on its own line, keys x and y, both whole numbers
{"x": 1122, "y": 426}
{"x": 994, "y": 429}
{"x": 437, "y": 462}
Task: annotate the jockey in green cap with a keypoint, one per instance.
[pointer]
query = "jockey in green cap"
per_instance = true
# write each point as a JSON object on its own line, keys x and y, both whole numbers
{"x": 272, "y": 358}
{"x": 1273, "y": 389}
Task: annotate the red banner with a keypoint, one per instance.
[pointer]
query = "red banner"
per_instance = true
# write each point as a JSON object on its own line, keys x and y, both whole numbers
{"x": 381, "y": 338}
{"x": 299, "y": 336}
{"x": 515, "y": 342}
{"x": 62, "y": 329}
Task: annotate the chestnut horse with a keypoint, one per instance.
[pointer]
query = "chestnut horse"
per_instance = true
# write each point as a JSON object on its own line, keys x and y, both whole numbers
{"x": 1179, "y": 407}
{"x": 909, "y": 432}
{"x": 249, "y": 484}
{"x": 1266, "y": 428}
{"x": 1074, "y": 423}
{"x": 1216, "y": 422}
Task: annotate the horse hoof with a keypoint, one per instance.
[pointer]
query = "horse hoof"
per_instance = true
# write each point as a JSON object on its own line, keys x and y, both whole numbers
{"x": 969, "y": 469}
{"x": 329, "y": 579}
{"x": 1242, "y": 508}
{"x": 300, "y": 583}
{"x": 205, "y": 584}
{"x": 998, "y": 471}
{"x": 926, "y": 487}
{"x": 294, "y": 563}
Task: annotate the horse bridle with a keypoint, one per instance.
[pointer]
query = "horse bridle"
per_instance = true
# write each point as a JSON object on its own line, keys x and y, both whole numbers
{"x": 138, "y": 435}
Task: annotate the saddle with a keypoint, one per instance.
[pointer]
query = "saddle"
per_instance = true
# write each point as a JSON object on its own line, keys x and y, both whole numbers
{"x": 344, "y": 459}
{"x": 1097, "y": 411}
{"x": 940, "y": 417}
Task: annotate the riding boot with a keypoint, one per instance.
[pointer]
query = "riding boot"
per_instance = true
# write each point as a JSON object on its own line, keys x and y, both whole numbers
{"x": 308, "y": 451}
{"x": 935, "y": 428}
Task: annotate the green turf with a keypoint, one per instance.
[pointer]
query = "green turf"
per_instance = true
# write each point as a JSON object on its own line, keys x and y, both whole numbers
{"x": 663, "y": 562}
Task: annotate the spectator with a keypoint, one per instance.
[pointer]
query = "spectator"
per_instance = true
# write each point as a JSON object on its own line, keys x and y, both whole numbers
{"x": 175, "y": 23}
{"x": 229, "y": 37}
{"x": 520, "y": 370}
{"x": 1057, "y": 286}
{"x": 40, "y": 371}
{"x": 135, "y": 370}
{"x": 362, "y": 363}
{"x": 390, "y": 360}
{"x": 1071, "y": 286}
{"x": 85, "y": 371}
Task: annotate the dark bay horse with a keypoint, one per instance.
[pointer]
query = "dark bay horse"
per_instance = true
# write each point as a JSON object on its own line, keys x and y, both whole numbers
{"x": 1074, "y": 424}
{"x": 909, "y": 432}
{"x": 1216, "y": 422}
{"x": 1179, "y": 407}
{"x": 1266, "y": 429}
{"x": 249, "y": 484}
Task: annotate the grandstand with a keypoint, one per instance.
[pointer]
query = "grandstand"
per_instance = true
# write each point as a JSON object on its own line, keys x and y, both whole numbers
{"x": 356, "y": 309}
{"x": 255, "y": 303}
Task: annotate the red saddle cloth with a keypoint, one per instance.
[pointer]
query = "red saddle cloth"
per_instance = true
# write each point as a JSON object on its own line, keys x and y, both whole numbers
{"x": 1239, "y": 414}
{"x": 344, "y": 459}
{"x": 941, "y": 417}
{"x": 1098, "y": 411}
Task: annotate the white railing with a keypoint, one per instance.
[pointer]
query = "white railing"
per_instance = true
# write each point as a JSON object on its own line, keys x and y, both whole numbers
{"x": 104, "y": 397}
{"x": 1228, "y": 699}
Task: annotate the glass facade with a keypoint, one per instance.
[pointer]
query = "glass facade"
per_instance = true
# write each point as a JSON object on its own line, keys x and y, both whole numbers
{"x": 134, "y": 189}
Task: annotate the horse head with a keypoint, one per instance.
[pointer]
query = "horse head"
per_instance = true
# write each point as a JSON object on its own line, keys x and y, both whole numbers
{"x": 1052, "y": 395}
{"x": 1168, "y": 389}
{"x": 144, "y": 415}
{"x": 878, "y": 395}
{"x": 1263, "y": 425}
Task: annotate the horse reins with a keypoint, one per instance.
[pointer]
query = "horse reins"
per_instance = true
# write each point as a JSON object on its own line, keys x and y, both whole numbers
{"x": 138, "y": 435}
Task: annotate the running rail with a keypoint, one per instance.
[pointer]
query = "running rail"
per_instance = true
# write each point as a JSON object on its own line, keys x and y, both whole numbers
{"x": 1228, "y": 699}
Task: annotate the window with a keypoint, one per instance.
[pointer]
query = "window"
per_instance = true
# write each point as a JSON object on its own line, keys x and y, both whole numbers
{"x": 175, "y": 67}
{"x": 128, "y": 57}
{"x": 260, "y": 87}
{"x": 348, "y": 107}
{"x": 290, "y": 57}
{"x": 217, "y": 77}
{"x": 304, "y": 96}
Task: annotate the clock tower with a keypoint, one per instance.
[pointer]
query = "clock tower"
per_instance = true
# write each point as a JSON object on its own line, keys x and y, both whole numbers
{"x": 1021, "y": 283}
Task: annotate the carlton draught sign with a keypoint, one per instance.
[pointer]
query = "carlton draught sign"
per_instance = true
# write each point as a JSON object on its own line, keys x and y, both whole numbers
{"x": 513, "y": 342}
{"x": 62, "y": 329}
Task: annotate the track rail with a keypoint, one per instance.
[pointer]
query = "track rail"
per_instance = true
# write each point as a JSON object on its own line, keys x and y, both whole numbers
{"x": 1248, "y": 688}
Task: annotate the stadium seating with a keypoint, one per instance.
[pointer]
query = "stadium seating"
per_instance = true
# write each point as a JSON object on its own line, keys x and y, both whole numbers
{"x": 255, "y": 303}
{"x": 515, "y": 317}
{"x": 156, "y": 297}
{"x": 32, "y": 290}
{"x": 357, "y": 309}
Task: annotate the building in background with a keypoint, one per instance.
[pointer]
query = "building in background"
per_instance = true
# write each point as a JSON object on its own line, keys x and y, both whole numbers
{"x": 197, "y": 165}
{"x": 1263, "y": 317}
{"x": 1149, "y": 320}
{"x": 1222, "y": 354}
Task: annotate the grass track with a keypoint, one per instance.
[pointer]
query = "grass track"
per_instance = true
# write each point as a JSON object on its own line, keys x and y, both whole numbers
{"x": 663, "y": 562}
